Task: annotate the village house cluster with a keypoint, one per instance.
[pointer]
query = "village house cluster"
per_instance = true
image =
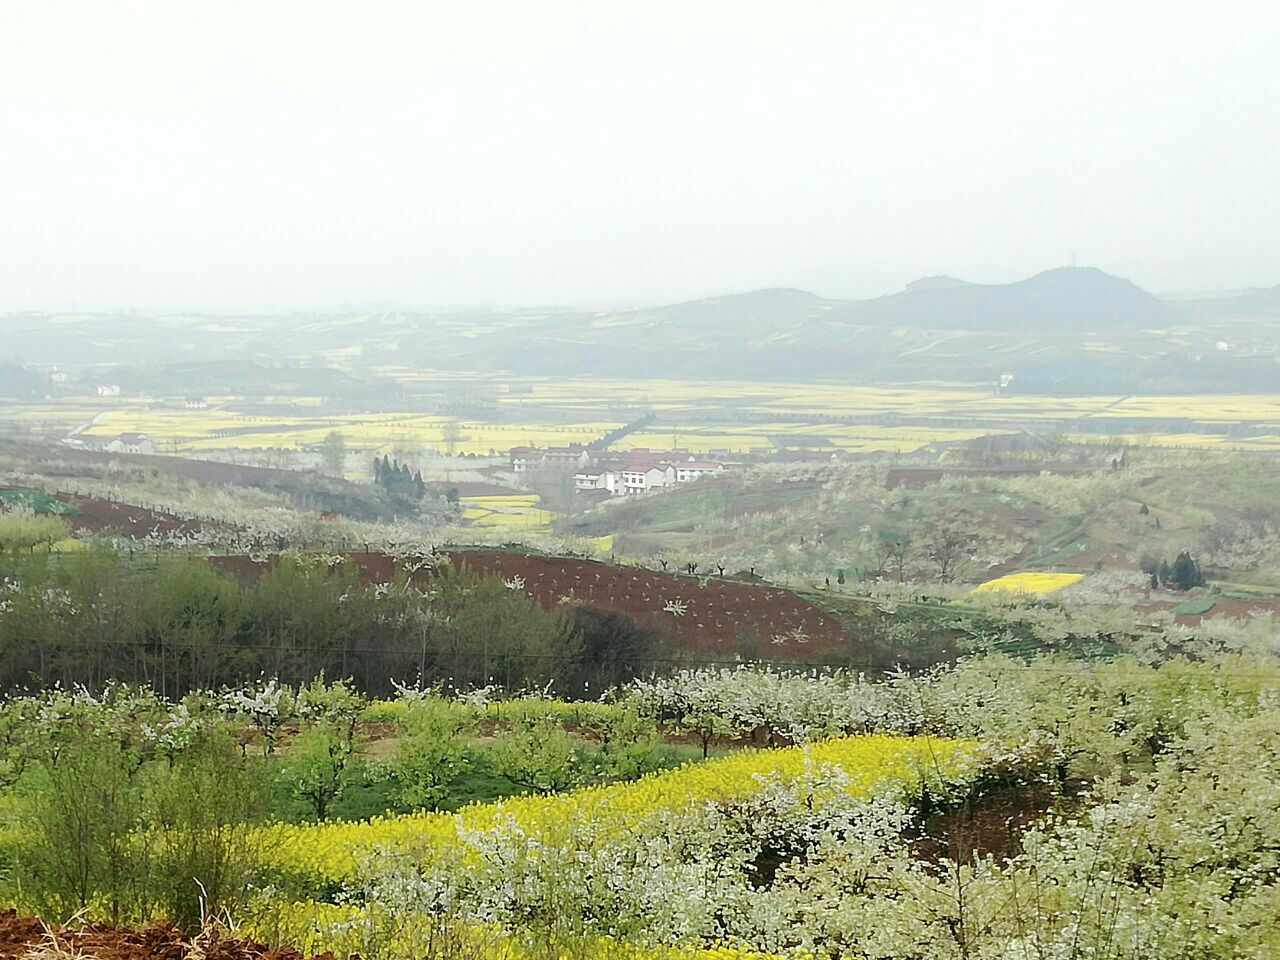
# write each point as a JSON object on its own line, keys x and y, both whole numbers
{"x": 119, "y": 443}
{"x": 619, "y": 474}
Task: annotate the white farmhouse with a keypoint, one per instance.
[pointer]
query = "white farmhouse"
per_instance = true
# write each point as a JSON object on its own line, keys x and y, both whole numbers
{"x": 135, "y": 443}
{"x": 693, "y": 469}
{"x": 643, "y": 477}
{"x": 120, "y": 443}
{"x": 524, "y": 459}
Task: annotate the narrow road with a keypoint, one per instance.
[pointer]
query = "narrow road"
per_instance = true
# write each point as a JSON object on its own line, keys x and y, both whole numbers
{"x": 85, "y": 426}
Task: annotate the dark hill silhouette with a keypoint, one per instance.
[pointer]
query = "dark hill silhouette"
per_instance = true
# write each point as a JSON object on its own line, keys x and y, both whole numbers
{"x": 1262, "y": 303}
{"x": 940, "y": 282}
{"x": 1061, "y": 300}
{"x": 757, "y": 309}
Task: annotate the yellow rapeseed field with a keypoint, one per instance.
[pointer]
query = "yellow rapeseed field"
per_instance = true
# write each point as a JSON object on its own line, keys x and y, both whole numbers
{"x": 705, "y": 416}
{"x": 515, "y": 512}
{"x": 177, "y": 430}
{"x": 332, "y": 851}
{"x": 1036, "y": 583}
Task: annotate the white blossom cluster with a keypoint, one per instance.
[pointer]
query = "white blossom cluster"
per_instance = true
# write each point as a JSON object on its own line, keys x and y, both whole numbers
{"x": 675, "y": 877}
{"x": 799, "y": 706}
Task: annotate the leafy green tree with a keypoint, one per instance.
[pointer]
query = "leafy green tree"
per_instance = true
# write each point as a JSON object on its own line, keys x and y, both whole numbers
{"x": 629, "y": 743}
{"x": 537, "y": 754}
{"x": 706, "y": 721}
{"x": 191, "y": 619}
{"x": 431, "y": 753}
{"x": 451, "y": 433}
{"x": 82, "y": 807}
{"x": 199, "y": 813}
{"x": 1186, "y": 572}
{"x": 23, "y": 531}
{"x": 333, "y": 453}
{"x": 318, "y": 764}
{"x": 333, "y": 706}
{"x": 481, "y": 628}
{"x": 317, "y": 769}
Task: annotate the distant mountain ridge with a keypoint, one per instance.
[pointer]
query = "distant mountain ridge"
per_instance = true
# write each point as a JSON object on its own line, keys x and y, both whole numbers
{"x": 1262, "y": 303}
{"x": 1066, "y": 298}
{"x": 1063, "y": 330}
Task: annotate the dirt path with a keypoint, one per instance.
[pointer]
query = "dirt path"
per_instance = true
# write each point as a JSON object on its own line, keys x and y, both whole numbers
{"x": 27, "y": 938}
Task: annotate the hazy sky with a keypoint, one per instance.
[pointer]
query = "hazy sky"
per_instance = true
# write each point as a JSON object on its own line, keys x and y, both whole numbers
{"x": 229, "y": 155}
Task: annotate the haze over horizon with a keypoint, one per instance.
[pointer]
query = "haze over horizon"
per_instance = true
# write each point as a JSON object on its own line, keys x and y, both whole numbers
{"x": 309, "y": 156}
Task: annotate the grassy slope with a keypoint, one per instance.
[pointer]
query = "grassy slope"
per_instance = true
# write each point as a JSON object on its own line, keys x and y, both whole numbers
{"x": 1063, "y": 522}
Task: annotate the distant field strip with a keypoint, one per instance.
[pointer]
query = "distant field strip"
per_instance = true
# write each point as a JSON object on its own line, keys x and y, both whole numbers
{"x": 702, "y": 416}
{"x": 186, "y": 430}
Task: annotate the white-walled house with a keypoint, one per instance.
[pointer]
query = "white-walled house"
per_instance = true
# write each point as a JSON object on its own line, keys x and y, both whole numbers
{"x": 120, "y": 443}
{"x": 572, "y": 456}
{"x": 593, "y": 478}
{"x": 693, "y": 469}
{"x": 524, "y": 459}
{"x": 132, "y": 443}
{"x": 643, "y": 478}
{"x": 632, "y": 472}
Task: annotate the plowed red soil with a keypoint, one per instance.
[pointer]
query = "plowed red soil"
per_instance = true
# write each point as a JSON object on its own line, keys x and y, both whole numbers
{"x": 720, "y": 617}
{"x": 20, "y": 936}
{"x": 718, "y": 613}
{"x": 134, "y": 521}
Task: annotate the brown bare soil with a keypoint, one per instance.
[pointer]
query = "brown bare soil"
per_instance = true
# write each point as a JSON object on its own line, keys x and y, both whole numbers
{"x": 721, "y": 617}
{"x": 993, "y": 825}
{"x": 21, "y": 937}
{"x": 718, "y": 614}
{"x": 98, "y": 515}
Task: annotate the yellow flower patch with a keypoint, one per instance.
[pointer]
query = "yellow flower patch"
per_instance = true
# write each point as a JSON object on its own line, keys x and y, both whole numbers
{"x": 1033, "y": 583}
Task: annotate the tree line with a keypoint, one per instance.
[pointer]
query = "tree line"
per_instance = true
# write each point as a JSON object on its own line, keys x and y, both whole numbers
{"x": 91, "y": 617}
{"x": 396, "y": 478}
